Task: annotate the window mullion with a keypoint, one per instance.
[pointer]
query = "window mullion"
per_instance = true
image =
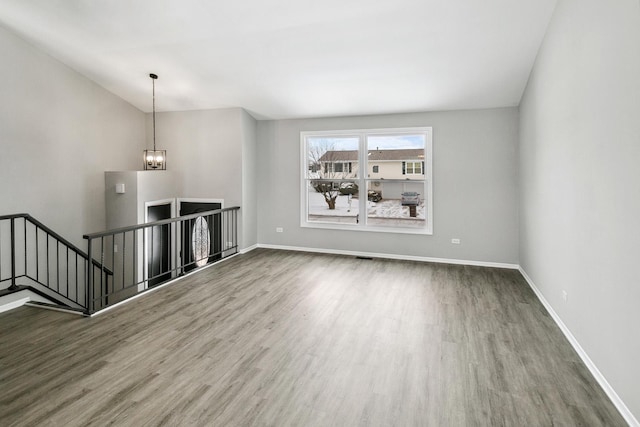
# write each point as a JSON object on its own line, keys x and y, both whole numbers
{"x": 362, "y": 180}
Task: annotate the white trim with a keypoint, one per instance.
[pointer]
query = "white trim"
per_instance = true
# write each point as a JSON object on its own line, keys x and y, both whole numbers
{"x": 617, "y": 401}
{"x": 392, "y": 256}
{"x": 20, "y": 298}
{"x": 249, "y": 249}
{"x": 172, "y": 255}
{"x": 14, "y": 304}
{"x": 198, "y": 200}
{"x": 170, "y": 201}
{"x": 47, "y": 307}
{"x": 380, "y": 229}
{"x": 373, "y": 132}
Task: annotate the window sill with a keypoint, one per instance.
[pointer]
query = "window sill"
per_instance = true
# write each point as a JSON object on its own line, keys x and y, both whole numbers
{"x": 368, "y": 228}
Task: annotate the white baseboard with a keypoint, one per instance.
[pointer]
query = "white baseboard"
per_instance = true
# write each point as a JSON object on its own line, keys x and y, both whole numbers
{"x": 619, "y": 404}
{"x": 18, "y": 299}
{"x": 249, "y": 249}
{"x": 391, "y": 256}
{"x": 53, "y": 308}
{"x": 7, "y": 304}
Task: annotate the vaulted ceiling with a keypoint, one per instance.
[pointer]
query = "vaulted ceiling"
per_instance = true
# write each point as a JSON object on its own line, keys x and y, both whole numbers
{"x": 294, "y": 58}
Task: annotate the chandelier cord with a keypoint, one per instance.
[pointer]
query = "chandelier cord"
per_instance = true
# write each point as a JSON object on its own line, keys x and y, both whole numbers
{"x": 154, "y": 112}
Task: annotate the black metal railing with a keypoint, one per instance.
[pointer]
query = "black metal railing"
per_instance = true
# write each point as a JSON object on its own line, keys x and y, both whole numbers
{"x": 146, "y": 255}
{"x": 34, "y": 257}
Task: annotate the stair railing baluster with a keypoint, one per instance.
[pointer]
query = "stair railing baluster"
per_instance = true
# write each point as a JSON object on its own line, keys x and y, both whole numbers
{"x": 89, "y": 277}
{"x": 13, "y": 255}
{"x": 223, "y": 224}
{"x": 25, "y": 245}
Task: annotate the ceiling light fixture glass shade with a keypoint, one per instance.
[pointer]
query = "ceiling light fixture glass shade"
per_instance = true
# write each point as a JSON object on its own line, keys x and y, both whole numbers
{"x": 154, "y": 159}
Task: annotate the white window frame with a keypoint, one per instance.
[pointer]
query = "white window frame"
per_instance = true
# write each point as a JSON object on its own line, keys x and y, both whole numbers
{"x": 413, "y": 167}
{"x": 344, "y": 166}
{"x": 362, "y": 179}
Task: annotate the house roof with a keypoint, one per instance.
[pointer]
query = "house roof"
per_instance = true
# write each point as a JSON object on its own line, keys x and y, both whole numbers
{"x": 374, "y": 155}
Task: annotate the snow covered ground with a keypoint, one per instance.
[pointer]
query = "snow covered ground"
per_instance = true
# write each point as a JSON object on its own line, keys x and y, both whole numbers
{"x": 381, "y": 209}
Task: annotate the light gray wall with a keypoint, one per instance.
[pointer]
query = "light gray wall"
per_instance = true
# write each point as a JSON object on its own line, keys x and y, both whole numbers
{"x": 249, "y": 181}
{"x": 59, "y": 132}
{"x": 580, "y": 181}
{"x": 122, "y": 209}
{"x": 140, "y": 187}
{"x": 157, "y": 185}
{"x": 207, "y": 147}
{"x": 129, "y": 209}
{"x": 474, "y": 186}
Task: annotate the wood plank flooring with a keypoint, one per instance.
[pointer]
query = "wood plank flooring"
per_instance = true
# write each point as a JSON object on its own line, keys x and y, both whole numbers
{"x": 277, "y": 338}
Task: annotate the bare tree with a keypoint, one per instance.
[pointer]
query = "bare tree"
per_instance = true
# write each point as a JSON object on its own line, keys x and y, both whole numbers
{"x": 324, "y": 160}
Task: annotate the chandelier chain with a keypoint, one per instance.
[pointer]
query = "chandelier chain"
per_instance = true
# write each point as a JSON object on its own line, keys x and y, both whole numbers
{"x": 154, "y": 112}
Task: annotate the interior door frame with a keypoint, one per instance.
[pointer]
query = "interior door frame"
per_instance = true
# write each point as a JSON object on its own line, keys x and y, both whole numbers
{"x": 172, "y": 231}
{"x": 179, "y": 201}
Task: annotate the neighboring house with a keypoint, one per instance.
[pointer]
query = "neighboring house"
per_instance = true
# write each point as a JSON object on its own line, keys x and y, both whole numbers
{"x": 338, "y": 164}
{"x": 399, "y": 164}
{"x": 383, "y": 164}
{"x": 396, "y": 164}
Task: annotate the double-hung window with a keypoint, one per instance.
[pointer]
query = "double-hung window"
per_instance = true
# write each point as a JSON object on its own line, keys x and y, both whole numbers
{"x": 369, "y": 180}
{"x": 413, "y": 168}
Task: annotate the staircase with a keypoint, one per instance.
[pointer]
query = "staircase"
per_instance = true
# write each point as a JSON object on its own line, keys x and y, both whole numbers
{"x": 38, "y": 264}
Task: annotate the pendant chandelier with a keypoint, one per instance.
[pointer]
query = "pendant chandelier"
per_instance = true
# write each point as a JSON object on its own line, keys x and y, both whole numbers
{"x": 155, "y": 159}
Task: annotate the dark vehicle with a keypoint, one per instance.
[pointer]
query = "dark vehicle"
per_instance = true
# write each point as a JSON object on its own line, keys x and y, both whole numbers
{"x": 374, "y": 196}
{"x": 410, "y": 198}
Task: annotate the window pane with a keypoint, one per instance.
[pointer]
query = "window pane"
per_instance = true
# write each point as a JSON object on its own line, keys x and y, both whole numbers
{"x": 395, "y": 204}
{"x": 413, "y": 168}
{"x": 332, "y": 157}
{"x": 333, "y": 201}
{"x": 395, "y": 156}
{"x": 367, "y": 180}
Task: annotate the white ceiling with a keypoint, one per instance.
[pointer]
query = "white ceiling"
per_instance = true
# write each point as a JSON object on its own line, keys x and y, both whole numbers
{"x": 294, "y": 58}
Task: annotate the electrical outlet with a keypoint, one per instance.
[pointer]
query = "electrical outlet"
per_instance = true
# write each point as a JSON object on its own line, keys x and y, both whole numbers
{"x": 565, "y": 296}
{"x": 455, "y": 241}
{"x": 115, "y": 248}
{"x": 279, "y": 229}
